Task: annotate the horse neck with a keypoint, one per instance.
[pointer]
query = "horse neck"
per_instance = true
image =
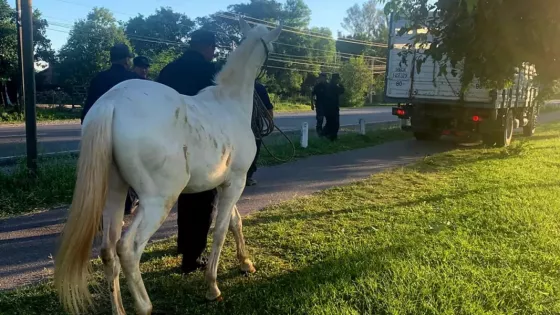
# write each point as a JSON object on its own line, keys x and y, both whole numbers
{"x": 236, "y": 80}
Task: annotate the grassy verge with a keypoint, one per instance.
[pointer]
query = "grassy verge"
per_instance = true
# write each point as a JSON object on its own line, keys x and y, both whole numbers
{"x": 49, "y": 115}
{"x": 286, "y": 107}
{"x": 472, "y": 231}
{"x": 55, "y": 183}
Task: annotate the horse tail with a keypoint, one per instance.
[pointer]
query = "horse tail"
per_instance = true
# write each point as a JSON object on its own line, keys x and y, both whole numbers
{"x": 72, "y": 267}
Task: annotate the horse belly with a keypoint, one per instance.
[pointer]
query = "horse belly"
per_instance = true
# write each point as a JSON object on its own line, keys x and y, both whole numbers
{"x": 206, "y": 174}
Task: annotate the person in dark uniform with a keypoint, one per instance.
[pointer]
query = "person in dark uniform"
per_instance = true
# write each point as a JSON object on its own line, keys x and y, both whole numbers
{"x": 120, "y": 63}
{"x": 141, "y": 65}
{"x": 189, "y": 74}
{"x": 332, "y": 108}
{"x": 260, "y": 90}
{"x": 318, "y": 100}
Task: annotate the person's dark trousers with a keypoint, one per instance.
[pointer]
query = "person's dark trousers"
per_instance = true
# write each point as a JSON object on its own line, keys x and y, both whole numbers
{"x": 319, "y": 127}
{"x": 194, "y": 217}
{"x": 253, "y": 167}
{"x": 130, "y": 200}
{"x": 128, "y": 203}
{"x": 332, "y": 126}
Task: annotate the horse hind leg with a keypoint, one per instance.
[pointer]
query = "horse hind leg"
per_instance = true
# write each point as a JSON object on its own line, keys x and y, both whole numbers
{"x": 236, "y": 227}
{"x": 150, "y": 215}
{"x": 112, "y": 228}
{"x": 227, "y": 198}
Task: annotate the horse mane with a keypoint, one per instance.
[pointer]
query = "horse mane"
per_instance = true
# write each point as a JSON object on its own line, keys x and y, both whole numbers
{"x": 236, "y": 60}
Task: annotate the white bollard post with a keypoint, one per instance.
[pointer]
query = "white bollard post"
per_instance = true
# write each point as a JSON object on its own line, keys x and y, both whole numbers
{"x": 362, "y": 127}
{"x": 304, "y": 135}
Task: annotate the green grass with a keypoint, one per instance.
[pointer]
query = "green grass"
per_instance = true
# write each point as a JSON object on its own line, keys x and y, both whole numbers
{"x": 286, "y": 107}
{"x": 43, "y": 115}
{"x": 55, "y": 183}
{"x": 471, "y": 231}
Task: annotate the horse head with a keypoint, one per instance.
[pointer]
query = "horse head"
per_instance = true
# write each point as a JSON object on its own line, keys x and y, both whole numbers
{"x": 260, "y": 34}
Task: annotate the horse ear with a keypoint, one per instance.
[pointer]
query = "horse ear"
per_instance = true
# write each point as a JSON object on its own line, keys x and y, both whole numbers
{"x": 245, "y": 28}
{"x": 274, "y": 34}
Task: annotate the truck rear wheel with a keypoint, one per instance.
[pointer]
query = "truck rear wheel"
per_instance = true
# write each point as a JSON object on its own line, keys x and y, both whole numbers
{"x": 529, "y": 130}
{"x": 426, "y": 135}
{"x": 506, "y": 131}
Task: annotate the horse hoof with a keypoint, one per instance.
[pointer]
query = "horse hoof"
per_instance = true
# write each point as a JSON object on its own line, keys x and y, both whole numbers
{"x": 249, "y": 270}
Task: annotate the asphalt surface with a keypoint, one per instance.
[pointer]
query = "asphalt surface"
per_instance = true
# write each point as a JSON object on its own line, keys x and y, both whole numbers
{"x": 66, "y": 137}
{"x": 27, "y": 243}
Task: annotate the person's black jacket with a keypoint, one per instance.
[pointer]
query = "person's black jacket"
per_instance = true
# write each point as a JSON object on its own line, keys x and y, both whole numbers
{"x": 263, "y": 94}
{"x": 189, "y": 74}
{"x": 332, "y": 104}
{"x": 320, "y": 92}
{"x": 103, "y": 82}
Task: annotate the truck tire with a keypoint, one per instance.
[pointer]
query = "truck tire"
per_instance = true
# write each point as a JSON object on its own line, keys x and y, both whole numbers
{"x": 426, "y": 136}
{"x": 529, "y": 130}
{"x": 506, "y": 131}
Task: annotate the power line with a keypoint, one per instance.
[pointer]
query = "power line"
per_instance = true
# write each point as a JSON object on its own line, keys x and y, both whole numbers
{"x": 167, "y": 42}
{"x": 275, "y": 43}
{"x": 307, "y": 34}
{"x": 277, "y": 57}
{"x": 272, "y": 59}
{"x": 292, "y": 69}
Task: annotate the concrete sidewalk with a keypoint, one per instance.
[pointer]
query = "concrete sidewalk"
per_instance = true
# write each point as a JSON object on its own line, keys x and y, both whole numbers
{"x": 28, "y": 242}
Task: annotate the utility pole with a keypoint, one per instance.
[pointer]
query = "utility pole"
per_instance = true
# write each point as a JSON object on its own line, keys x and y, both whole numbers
{"x": 21, "y": 91}
{"x": 28, "y": 62}
{"x": 372, "y": 80}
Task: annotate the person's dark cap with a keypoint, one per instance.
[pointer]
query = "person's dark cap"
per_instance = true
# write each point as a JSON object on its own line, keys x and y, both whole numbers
{"x": 322, "y": 74}
{"x": 141, "y": 62}
{"x": 119, "y": 52}
{"x": 203, "y": 37}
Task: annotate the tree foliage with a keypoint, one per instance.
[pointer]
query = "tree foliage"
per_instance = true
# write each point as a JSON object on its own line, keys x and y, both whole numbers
{"x": 290, "y": 71}
{"x": 365, "y": 23}
{"x": 356, "y": 79}
{"x": 167, "y": 26}
{"x": 87, "y": 50}
{"x": 492, "y": 38}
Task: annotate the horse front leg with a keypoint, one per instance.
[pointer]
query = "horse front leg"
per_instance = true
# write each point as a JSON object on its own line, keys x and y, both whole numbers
{"x": 227, "y": 198}
{"x": 236, "y": 227}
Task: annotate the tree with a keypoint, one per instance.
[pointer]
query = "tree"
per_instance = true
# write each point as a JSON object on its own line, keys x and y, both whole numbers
{"x": 292, "y": 51}
{"x": 87, "y": 50}
{"x": 356, "y": 78}
{"x": 8, "y": 42}
{"x": 159, "y": 32}
{"x": 161, "y": 60}
{"x": 490, "y": 38}
{"x": 8, "y": 46}
{"x": 365, "y": 23}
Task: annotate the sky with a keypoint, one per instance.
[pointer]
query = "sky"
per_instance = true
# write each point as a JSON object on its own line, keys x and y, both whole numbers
{"x": 325, "y": 13}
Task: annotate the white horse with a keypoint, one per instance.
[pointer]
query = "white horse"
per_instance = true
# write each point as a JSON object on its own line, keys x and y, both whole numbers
{"x": 145, "y": 135}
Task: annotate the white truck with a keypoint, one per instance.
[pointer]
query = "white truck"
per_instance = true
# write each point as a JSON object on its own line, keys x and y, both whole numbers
{"x": 430, "y": 105}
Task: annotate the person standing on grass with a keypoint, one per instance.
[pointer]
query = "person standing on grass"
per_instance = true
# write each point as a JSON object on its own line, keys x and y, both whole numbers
{"x": 189, "y": 74}
{"x": 141, "y": 66}
{"x": 260, "y": 91}
{"x": 332, "y": 108}
{"x": 120, "y": 64}
{"x": 318, "y": 100}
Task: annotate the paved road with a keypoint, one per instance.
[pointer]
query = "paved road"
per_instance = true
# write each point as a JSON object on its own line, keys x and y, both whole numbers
{"x": 66, "y": 137}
